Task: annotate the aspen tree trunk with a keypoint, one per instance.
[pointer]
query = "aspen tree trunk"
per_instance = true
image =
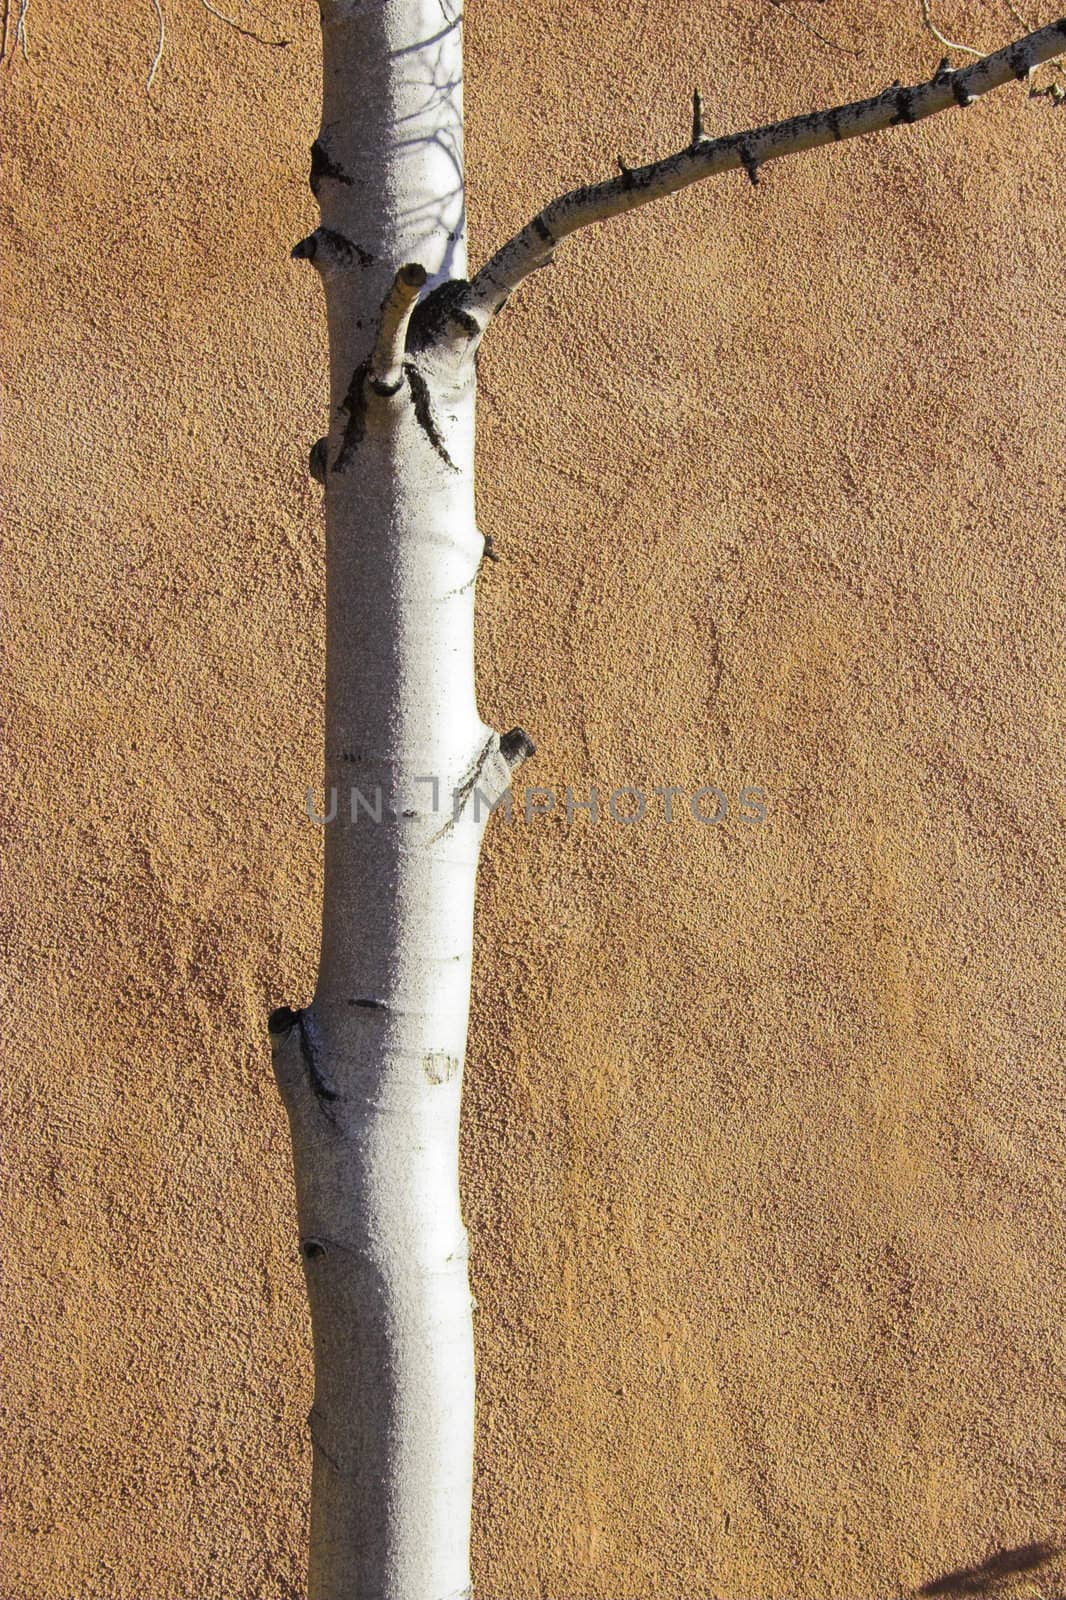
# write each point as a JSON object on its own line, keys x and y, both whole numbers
{"x": 371, "y": 1071}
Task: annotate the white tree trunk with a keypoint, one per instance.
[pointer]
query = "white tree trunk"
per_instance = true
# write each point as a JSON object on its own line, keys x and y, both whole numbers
{"x": 371, "y": 1071}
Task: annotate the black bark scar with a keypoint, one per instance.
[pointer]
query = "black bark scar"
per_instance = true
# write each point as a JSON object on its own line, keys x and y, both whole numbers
{"x": 323, "y": 166}
{"x": 323, "y": 1087}
{"x": 465, "y": 788}
{"x": 355, "y": 404}
{"x": 1018, "y": 61}
{"x": 325, "y": 1091}
{"x": 443, "y": 306}
{"x": 327, "y": 241}
{"x": 905, "y": 107}
{"x": 424, "y": 413}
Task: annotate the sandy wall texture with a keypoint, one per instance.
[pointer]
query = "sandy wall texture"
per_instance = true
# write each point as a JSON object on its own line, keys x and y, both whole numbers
{"x": 763, "y": 1152}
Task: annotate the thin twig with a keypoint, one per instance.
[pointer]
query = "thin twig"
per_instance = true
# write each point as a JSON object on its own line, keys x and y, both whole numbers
{"x": 927, "y": 17}
{"x": 386, "y": 363}
{"x": 844, "y": 49}
{"x": 697, "y": 117}
{"x": 3, "y": 46}
{"x": 159, "y": 48}
{"x": 249, "y": 33}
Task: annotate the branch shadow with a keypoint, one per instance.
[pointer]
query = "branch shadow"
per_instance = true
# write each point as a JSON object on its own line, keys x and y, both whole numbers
{"x": 990, "y": 1576}
{"x": 439, "y": 105}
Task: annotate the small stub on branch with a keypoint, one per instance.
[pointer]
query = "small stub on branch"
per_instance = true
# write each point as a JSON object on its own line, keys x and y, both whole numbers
{"x": 328, "y": 248}
{"x": 516, "y": 747}
{"x": 282, "y": 1021}
{"x": 317, "y": 460}
{"x": 386, "y": 364}
{"x": 323, "y": 166}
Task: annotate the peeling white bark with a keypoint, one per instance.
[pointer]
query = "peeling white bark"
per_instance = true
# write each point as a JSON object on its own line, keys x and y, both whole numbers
{"x": 371, "y": 1071}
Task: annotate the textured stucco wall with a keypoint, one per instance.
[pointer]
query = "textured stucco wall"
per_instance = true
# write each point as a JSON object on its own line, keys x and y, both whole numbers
{"x": 763, "y": 1147}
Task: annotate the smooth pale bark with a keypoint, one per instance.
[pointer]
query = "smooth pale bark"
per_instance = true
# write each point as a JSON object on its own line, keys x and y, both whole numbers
{"x": 371, "y": 1071}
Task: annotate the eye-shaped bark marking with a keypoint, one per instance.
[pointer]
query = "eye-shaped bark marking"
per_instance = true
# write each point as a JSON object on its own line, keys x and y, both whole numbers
{"x": 424, "y": 413}
{"x": 323, "y": 166}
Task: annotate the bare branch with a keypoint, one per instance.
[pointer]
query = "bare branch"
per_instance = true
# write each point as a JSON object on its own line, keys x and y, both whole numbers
{"x": 386, "y": 364}
{"x": 750, "y": 150}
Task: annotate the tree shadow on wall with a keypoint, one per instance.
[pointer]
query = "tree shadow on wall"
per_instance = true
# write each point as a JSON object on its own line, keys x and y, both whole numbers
{"x": 994, "y": 1576}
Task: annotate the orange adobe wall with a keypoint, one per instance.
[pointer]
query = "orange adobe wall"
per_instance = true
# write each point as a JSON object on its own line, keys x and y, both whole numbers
{"x": 763, "y": 1152}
